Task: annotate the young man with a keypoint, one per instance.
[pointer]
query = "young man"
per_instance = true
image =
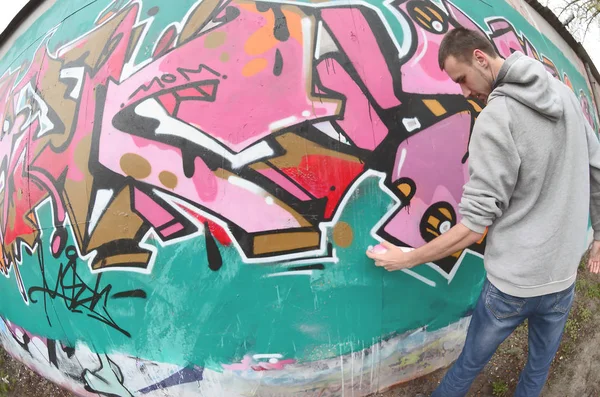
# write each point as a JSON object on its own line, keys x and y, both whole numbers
{"x": 534, "y": 165}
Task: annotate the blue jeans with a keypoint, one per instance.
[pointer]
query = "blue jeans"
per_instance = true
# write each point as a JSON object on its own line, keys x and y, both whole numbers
{"x": 495, "y": 317}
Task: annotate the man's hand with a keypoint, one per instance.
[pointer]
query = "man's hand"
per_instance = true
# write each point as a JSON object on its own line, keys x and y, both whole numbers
{"x": 594, "y": 259}
{"x": 392, "y": 258}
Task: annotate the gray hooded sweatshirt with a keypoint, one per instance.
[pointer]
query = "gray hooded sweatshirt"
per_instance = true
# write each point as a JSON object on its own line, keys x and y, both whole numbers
{"x": 534, "y": 164}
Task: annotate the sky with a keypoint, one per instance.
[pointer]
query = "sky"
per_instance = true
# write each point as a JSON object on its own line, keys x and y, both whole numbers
{"x": 591, "y": 42}
{"x": 10, "y": 8}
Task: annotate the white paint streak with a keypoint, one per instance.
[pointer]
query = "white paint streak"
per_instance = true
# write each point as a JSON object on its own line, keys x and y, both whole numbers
{"x": 293, "y": 273}
{"x": 325, "y": 43}
{"x": 279, "y": 124}
{"x": 411, "y": 124}
{"x": 352, "y": 367}
{"x": 333, "y": 259}
{"x": 401, "y": 162}
{"x": 267, "y": 356}
{"x": 27, "y": 94}
{"x": 278, "y": 296}
{"x": 445, "y": 226}
{"x": 21, "y": 159}
{"x": 450, "y": 276}
{"x": 372, "y": 364}
{"x": 246, "y": 185}
{"x": 103, "y": 197}
{"x": 76, "y": 73}
{"x": 307, "y": 42}
{"x": 423, "y": 50}
{"x": 342, "y": 368}
{"x": 327, "y": 128}
{"x": 419, "y": 277}
{"x": 174, "y": 127}
{"x": 404, "y": 47}
{"x": 362, "y": 365}
{"x": 318, "y": 42}
{"x": 19, "y": 335}
{"x": 16, "y": 144}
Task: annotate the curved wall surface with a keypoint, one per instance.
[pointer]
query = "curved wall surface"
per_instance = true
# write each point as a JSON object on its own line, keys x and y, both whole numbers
{"x": 187, "y": 189}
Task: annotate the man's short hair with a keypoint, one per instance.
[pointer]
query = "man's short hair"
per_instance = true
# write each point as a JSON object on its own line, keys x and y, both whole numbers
{"x": 460, "y": 43}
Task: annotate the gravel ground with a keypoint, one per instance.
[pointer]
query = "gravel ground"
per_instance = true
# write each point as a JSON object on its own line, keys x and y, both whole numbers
{"x": 16, "y": 380}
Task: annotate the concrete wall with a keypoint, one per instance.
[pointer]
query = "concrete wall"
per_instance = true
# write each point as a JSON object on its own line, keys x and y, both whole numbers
{"x": 188, "y": 188}
{"x": 550, "y": 34}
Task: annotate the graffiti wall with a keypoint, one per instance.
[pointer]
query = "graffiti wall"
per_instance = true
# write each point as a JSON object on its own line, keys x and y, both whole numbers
{"x": 187, "y": 191}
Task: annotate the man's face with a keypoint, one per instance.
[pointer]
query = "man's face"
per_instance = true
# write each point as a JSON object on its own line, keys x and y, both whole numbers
{"x": 474, "y": 78}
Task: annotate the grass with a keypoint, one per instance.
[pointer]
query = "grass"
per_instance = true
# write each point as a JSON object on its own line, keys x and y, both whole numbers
{"x": 499, "y": 388}
{"x": 586, "y": 314}
{"x": 588, "y": 290}
{"x": 6, "y": 383}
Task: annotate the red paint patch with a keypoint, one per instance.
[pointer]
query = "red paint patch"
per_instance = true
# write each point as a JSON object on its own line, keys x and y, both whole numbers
{"x": 190, "y": 93}
{"x": 169, "y": 102}
{"x": 208, "y": 89}
{"x": 217, "y": 231}
{"x": 325, "y": 176}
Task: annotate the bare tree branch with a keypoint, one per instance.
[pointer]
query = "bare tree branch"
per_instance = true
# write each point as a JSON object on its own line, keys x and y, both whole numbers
{"x": 586, "y": 13}
{"x": 567, "y": 6}
{"x": 591, "y": 20}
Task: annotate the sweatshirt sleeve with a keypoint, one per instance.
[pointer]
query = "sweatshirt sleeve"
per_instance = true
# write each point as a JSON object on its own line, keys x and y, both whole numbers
{"x": 594, "y": 155}
{"x": 493, "y": 168}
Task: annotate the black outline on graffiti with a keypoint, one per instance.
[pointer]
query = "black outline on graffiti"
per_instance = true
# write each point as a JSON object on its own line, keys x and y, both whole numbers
{"x": 76, "y": 294}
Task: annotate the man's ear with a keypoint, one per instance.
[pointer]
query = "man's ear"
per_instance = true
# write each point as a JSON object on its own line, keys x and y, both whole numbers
{"x": 480, "y": 57}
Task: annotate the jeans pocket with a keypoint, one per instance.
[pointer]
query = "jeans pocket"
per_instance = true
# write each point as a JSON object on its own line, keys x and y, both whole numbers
{"x": 503, "y": 306}
{"x": 564, "y": 300}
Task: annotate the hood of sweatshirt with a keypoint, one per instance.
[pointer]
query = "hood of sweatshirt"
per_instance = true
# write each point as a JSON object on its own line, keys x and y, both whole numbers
{"x": 527, "y": 81}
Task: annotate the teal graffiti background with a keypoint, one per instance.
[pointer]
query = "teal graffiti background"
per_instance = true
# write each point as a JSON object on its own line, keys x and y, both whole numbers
{"x": 194, "y": 315}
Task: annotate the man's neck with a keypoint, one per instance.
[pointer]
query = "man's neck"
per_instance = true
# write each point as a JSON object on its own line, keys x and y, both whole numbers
{"x": 495, "y": 66}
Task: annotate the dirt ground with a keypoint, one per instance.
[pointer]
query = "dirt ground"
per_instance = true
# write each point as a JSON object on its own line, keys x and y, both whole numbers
{"x": 575, "y": 370}
{"x": 16, "y": 380}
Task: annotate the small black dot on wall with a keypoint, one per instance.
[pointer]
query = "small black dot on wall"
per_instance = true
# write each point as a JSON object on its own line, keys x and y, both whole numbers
{"x": 332, "y": 188}
{"x": 153, "y": 11}
{"x": 224, "y": 77}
